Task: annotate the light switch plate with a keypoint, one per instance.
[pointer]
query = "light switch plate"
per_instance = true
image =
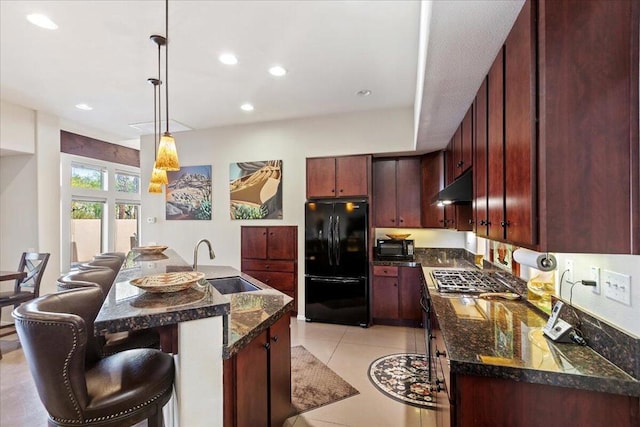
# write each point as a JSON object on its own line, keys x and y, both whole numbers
{"x": 617, "y": 286}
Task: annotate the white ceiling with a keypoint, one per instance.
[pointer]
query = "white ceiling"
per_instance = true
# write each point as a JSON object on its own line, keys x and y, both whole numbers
{"x": 101, "y": 55}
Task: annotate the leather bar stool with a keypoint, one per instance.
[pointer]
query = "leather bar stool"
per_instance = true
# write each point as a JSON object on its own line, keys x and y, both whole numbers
{"x": 103, "y": 276}
{"x": 77, "y": 385}
{"x": 113, "y": 263}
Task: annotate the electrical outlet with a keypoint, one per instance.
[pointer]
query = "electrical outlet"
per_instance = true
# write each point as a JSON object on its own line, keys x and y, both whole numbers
{"x": 595, "y": 276}
{"x": 568, "y": 266}
{"x": 617, "y": 286}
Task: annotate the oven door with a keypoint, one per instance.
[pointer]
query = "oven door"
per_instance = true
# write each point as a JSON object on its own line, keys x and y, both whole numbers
{"x": 425, "y": 303}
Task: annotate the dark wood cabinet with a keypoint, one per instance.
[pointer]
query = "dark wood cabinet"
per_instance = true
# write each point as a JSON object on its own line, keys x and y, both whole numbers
{"x": 462, "y": 146}
{"x": 396, "y": 293}
{"x": 270, "y": 254}
{"x": 396, "y": 192}
{"x": 480, "y": 162}
{"x": 432, "y": 173}
{"x": 562, "y": 160}
{"x": 495, "y": 149}
{"x": 588, "y": 144}
{"x": 347, "y": 176}
{"x": 257, "y": 380}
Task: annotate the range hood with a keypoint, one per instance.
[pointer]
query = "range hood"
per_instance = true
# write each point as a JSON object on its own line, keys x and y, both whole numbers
{"x": 459, "y": 191}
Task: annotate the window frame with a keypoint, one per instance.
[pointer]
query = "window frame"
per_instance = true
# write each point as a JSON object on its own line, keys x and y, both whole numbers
{"x": 109, "y": 196}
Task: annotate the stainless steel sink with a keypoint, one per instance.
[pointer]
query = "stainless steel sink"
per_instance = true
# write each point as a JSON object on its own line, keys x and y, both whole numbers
{"x": 232, "y": 285}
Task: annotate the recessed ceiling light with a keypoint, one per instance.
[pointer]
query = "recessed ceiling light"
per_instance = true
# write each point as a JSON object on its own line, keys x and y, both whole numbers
{"x": 42, "y": 21}
{"x": 277, "y": 71}
{"x": 228, "y": 59}
{"x": 85, "y": 107}
{"x": 363, "y": 92}
{"x": 246, "y": 107}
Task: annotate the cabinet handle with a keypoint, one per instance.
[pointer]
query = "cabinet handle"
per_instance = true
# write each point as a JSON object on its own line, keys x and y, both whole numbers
{"x": 341, "y": 190}
{"x": 441, "y": 353}
{"x": 393, "y": 220}
{"x": 439, "y": 388}
{"x": 395, "y": 284}
{"x": 504, "y": 223}
{"x": 432, "y": 337}
{"x": 470, "y": 222}
{"x": 275, "y": 338}
{"x": 267, "y": 346}
{"x": 266, "y": 267}
{"x": 401, "y": 220}
{"x": 460, "y": 163}
{"x": 483, "y": 222}
{"x": 333, "y": 190}
{"x": 439, "y": 381}
{"x": 264, "y": 233}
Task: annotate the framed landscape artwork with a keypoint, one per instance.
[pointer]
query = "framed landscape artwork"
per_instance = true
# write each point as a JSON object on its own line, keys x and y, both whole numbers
{"x": 188, "y": 193}
{"x": 255, "y": 190}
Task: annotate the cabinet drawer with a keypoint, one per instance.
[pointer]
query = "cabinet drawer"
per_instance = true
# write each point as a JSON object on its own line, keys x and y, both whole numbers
{"x": 265, "y": 265}
{"x": 276, "y": 279}
{"x": 385, "y": 270}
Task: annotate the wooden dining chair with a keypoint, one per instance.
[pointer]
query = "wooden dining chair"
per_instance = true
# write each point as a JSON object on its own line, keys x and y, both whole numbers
{"x": 26, "y": 289}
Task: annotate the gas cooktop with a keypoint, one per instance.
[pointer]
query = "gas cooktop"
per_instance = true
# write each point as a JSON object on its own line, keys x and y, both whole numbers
{"x": 471, "y": 281}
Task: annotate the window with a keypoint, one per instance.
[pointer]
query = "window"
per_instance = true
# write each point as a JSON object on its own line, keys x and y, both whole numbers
{"x": 100, "y": 208}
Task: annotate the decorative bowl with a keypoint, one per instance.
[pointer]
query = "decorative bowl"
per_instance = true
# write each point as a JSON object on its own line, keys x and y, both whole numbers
{"x": 398, "y": 236}
{"x": 149, "y": 250}
{"x": 168, "y": 282}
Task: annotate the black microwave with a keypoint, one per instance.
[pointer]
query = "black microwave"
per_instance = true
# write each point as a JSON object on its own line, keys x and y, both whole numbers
{"x": 389, "y": 249}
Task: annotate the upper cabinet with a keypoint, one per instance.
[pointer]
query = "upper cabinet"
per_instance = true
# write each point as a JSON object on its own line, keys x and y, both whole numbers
{"x": 462, "y": 146}
{"x": 329, "y": 177}
{"x": 396, "y": 192}
{"x": 432, "y": 172}
{"x": 561, "y": 160}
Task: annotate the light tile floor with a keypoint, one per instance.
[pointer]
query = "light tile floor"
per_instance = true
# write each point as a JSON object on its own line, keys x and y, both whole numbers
{"x": 347, "y": 350}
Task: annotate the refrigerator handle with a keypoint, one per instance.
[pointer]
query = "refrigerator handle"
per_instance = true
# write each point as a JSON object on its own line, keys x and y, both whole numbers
{"x": 330, "y": 241}
{"x": 337, "y": 240}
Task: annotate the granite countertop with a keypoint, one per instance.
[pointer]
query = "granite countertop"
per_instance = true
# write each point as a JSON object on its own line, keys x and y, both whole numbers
{"x": 503, "y": 339}
{"x": 246, "y": 314}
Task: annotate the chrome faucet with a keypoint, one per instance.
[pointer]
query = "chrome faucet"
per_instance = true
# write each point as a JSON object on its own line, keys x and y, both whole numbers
{"x": 195, "y": 252}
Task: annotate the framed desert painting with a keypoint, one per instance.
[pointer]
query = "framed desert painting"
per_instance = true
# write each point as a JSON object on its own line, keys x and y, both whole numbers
{"x": 189, "y": 193}
{"x": 255, "y": 190}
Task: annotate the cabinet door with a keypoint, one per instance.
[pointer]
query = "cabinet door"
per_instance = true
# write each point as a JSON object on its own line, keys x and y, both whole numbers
{"x": 432, "y": 182}
{"x": 495, "y": 154}
{"x": 520, "y": 130}
{"x": 276, "y": 279}
{"x": 253, "y": 242}
{"x": 282, "y": 243}
{"x": 450, "y": 168}
{"x": 466, "y": 150}
{"x": 408, "y": 192}
{"x": 384, "y": 193}
{"x": 480, "y": 162}
{"x": 252, "y": 387}
{"x": 351, "y": 176}
{"x": 321, "y": 177}
{"x": 410, "y": 279}
{"x": 280, "y": 371}
{"x": 385, "y": 298}
{"x": 456, "y": 152}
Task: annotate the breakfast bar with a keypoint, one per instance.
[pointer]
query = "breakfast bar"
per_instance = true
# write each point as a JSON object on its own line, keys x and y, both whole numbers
{"x": 209, "y": 326}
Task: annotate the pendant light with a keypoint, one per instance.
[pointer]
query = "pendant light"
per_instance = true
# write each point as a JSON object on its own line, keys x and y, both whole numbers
{"x": 167, "y": 154}
{"x": 158, "y": 176}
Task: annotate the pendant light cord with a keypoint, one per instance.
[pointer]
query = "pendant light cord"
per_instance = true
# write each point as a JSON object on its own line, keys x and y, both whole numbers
{"x": 166, "y": 61}
{"x": 159, "y": 109}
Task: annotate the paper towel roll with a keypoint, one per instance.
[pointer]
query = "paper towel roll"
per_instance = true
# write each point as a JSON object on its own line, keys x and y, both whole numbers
{"x": 540, "y": 261}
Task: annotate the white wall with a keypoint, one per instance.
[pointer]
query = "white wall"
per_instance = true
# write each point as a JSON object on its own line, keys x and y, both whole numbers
{"x": 30, "y": 192}
{"x": 291, "y": 141}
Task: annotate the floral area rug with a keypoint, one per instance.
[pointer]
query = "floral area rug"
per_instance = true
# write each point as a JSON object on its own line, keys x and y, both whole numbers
{"x": 403, "y": 377}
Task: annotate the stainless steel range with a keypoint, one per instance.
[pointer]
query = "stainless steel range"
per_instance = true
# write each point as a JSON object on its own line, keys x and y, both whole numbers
{"x": 468, "y": 281}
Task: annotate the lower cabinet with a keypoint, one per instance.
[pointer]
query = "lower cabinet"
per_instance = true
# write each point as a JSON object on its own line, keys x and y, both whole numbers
{"x": 471, "y": 400}
{"x": 396, "y": 293}
{"x": 257, "y": 380}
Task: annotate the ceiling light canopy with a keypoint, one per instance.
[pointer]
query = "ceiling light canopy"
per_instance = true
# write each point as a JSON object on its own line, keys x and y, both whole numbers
{"x": 42, "y": 21}
{"x": 246, "y": 107}
{"x": 228, "y": 59}
{"x": 277, "y": 71}
{"x": 85, "y": 107}
{"x": 363, "y": 92}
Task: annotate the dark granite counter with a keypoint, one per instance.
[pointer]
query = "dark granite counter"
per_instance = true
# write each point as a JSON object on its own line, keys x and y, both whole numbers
{"x": 503, "y": 339}
{"x": 246, "y": 314}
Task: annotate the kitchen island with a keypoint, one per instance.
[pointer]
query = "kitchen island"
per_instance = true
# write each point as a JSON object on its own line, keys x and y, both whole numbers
{"x": 208, "y": 327}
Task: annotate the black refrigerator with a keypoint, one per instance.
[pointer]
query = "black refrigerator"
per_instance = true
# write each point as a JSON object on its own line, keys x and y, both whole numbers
{"x": 336, "y": 262}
